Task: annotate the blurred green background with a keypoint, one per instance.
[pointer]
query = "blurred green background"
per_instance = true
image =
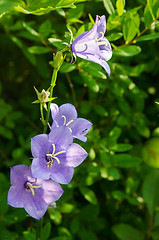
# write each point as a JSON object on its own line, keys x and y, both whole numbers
{"x": 114, "y": 193}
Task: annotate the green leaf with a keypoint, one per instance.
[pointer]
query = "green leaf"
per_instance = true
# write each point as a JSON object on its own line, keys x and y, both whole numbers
{"x": 122, "y": 147}
{"x": 7, "y": 5}
{"x": 131, "y": 26}
{"x": 127, "y": 232}
{"x": 67, "y": 67}
{"x": 89, "y": 195}
{"x": 150, "y": 6}
{"x": 109, "y": 6}
{"x": 120, "y": 7}
{"x": 46, "y": 230}
{"x": 150, "y": 194}
{"x": 114, "y": 36}
{"x": 150, "y": 152}
{"x": 128, "y": 51}
{"x": 147, "y": 16}
{"x": 38, "y": 50}
{"x": 148, "y": 37}
{"x": 124, "y": 160}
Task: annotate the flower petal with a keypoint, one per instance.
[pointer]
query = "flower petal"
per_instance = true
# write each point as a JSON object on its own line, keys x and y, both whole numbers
{"x": 80, "y": 127}
{"x": 16, "y": 196}
{"x": 75, "y": 155}
{"x": 63, "y": 176}
{"x": 52, "y": 191}
{"x": 36, "y": 206}
{"x": 101, "y": 27}
{"x": 54, "y": 110}
{"x": 39, "y": 170}
{"x": 61, "y": 136}
{"x": 39, "y": 143}
{"x": 18, "y": 173}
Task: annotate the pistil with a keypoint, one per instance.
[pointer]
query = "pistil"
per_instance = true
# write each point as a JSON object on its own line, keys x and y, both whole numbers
{"x": 50, "y": 157}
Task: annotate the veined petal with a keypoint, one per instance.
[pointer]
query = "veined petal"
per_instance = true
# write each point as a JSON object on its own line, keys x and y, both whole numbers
{"x": 52, "y": 191}
{"x": 86, "y": 36}
{"x": 75, "y": 155}
{"x": 39, "y": 170}
{"x": 39, "y": 143}
{"x": 101, "y": 28}
{"x": 64, "y": 175}
{"x": 80, "y": 127}
{"x": 16, "y": 196}
{"x": 61, "y": 136}
{"x": 36, "y": 206}
{"x": 66, "y": 113}
{"x": 54, "y": 110}
{"x": 106, "y": 55}
{"x": 18, "y": 173}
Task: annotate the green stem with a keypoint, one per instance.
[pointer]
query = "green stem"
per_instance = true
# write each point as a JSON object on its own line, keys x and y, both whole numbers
{"x": 53, "y": 83}
{"x": 42, "y": 114}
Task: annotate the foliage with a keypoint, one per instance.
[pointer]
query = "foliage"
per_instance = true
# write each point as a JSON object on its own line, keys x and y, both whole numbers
{"x": 113, "y": 194}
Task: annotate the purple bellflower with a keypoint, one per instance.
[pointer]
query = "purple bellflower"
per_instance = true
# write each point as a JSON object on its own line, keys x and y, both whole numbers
{"x": 93, "y": 46}
{"x": 32, "y": 194}
{"x": 66, "y": 115}
{"x": 55, "y": 155}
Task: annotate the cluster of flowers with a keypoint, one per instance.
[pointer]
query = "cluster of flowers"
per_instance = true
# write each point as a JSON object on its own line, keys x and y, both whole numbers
{"x": 54, "y": 158}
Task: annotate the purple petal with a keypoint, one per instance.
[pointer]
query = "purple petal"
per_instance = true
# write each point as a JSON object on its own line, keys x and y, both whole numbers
{"x": 39, "y": 169}
{"x": 64, "y": 175}
{"x": 67, "y": 112}
{"x": 101, "y": 28}
{"x": 61, "y": 136}
{"x": 75, "y": 155}
{"x": 80, "y": 127}
{"x": 18, "y": 173}
{"x": 89, "y": 35}
{"x": 54, "y": 110}
{"x": 52, "y": 191}
{"x": 16, "y": 196}
{"x": 36, "y": 206}
{"x": 38, "y": 143}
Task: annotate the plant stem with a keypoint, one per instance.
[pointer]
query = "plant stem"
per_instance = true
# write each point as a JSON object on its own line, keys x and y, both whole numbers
{"x": 52, "y": 85}
{"x": 42, "y": 114}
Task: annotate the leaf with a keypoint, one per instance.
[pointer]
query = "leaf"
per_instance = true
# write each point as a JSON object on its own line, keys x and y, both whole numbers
{"x": 109, "y": 6}
{"x": 67, "y": 67}
{"x": 89, "y": 195}
{"x": 128, "y": 51}
{"x": 46, "y": 230}
{"x": 7, "y": 5}
{"x": 122, "y": 147}
{"x": 131, "y": 26}
{"x": 38, "y": 50}
{"x": 148, "y": 37}
{"x": 124, "y": 160}
{"x": 127, "y": 232}
{"x": 114, "y": 36}
{"x": 120, "y": 7}
{"x": 150, "y": 194}
{"x": 147, "y": 16}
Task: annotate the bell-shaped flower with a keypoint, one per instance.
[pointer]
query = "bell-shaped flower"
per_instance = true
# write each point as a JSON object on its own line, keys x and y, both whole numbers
{"x": 66, "y": 115}
{"x": 32, "y": 194}
{"x": 93, "y": 46}
{"x": 55, "y": 155}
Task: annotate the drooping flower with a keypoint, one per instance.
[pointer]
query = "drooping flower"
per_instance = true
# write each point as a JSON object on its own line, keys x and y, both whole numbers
{"x": 66, "y": 115}
{"x": 93, "y": 46}
{"x": 55, "y": 155}
{"x": 32, "y": 194}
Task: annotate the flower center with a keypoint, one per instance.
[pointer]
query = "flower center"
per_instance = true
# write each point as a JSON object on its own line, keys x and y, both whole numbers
{"x": 102, "y": 42}
{"x": 29, "y": 187}
{"x": 50, "y": 157}
{"x": 66, "y": 124}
